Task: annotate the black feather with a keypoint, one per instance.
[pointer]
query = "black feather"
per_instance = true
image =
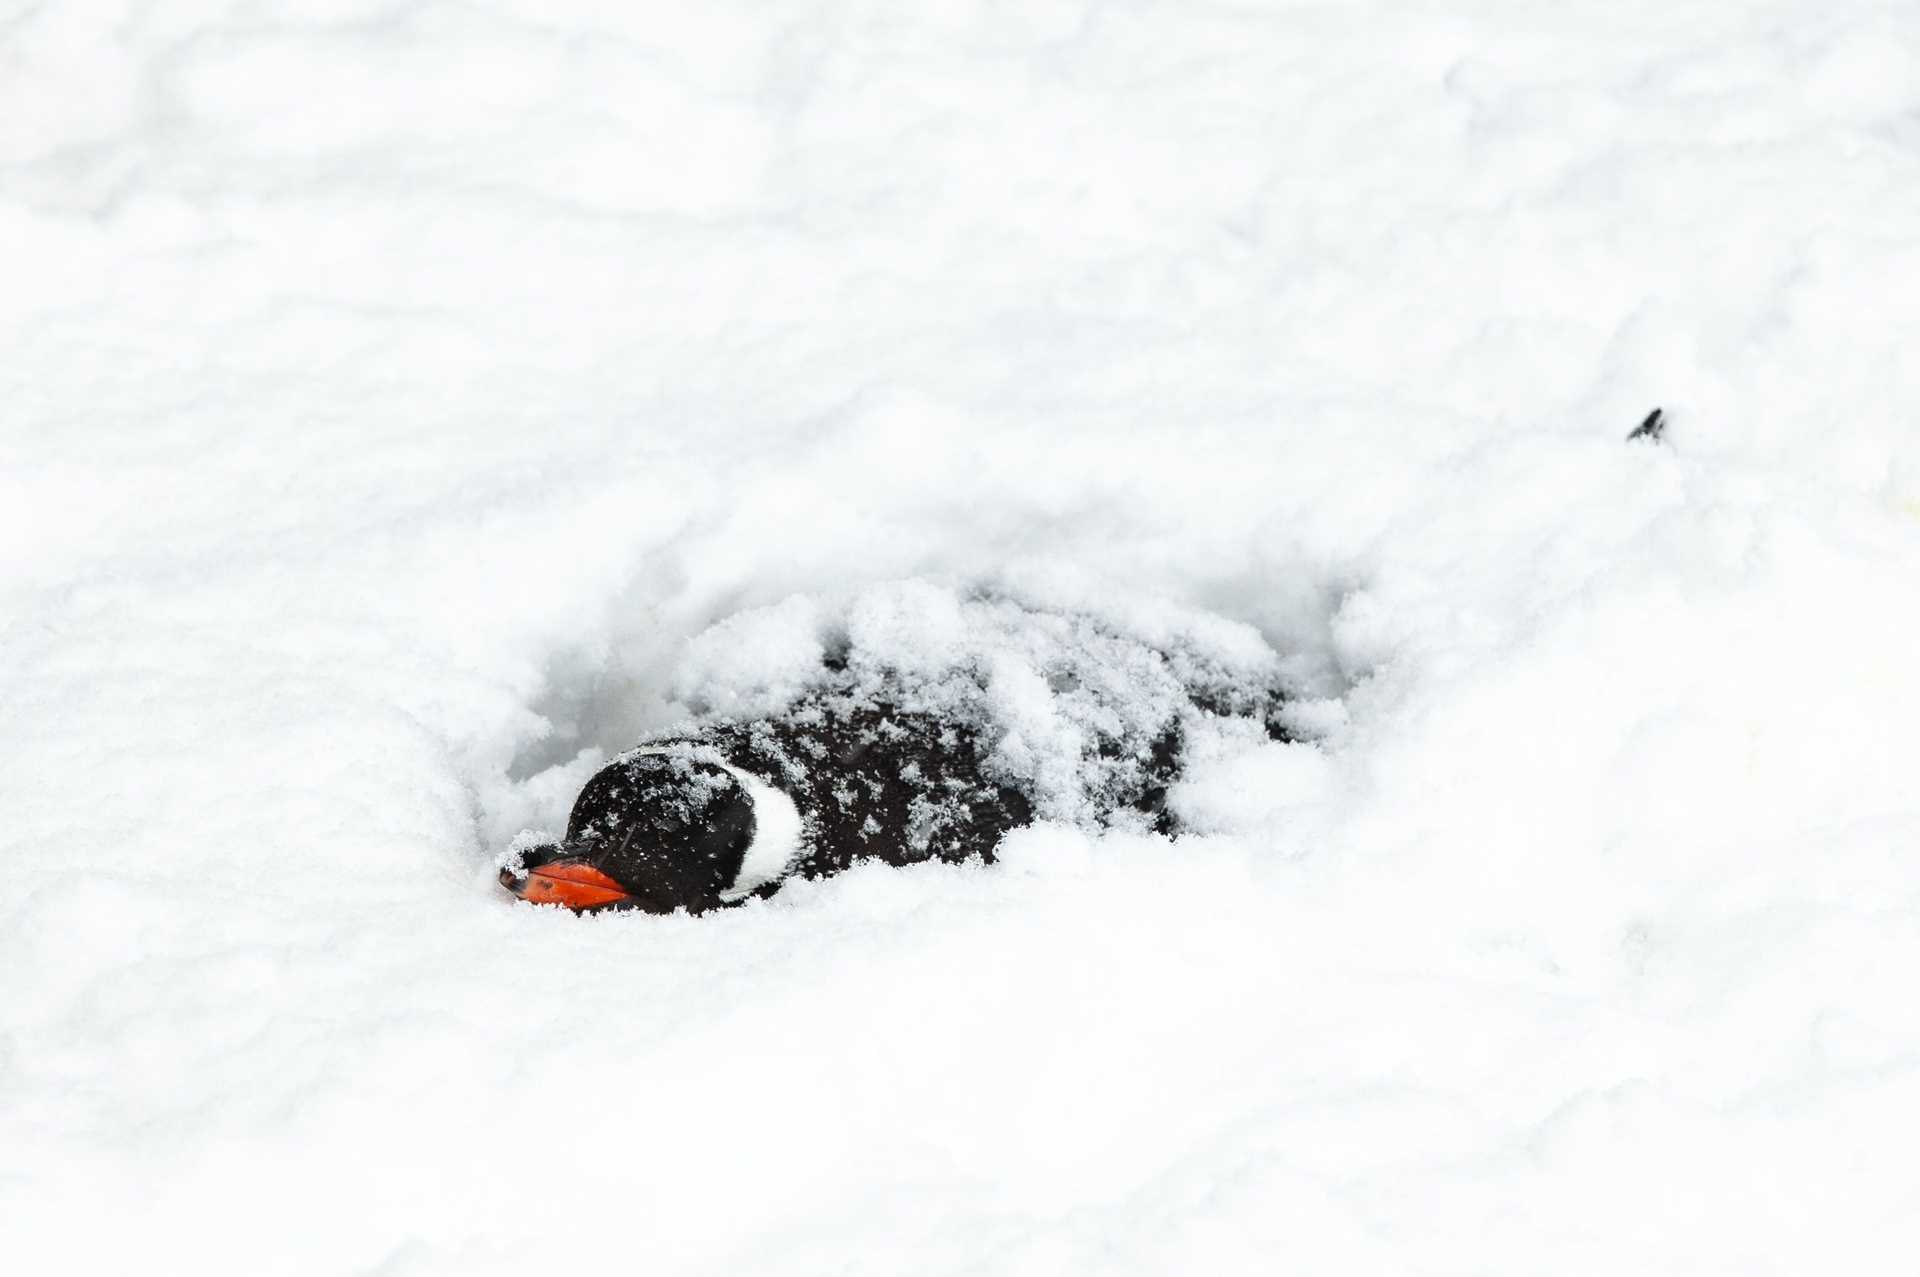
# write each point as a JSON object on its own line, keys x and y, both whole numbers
{"x": 1654, "y": 427}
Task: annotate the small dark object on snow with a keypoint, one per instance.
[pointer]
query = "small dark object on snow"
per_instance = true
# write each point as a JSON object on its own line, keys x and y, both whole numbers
{"x": 1654, "y": 427}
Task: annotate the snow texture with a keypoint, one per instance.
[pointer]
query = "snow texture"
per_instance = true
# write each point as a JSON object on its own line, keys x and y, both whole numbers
{"x": 1075, "y": 712}
{"x": 406, "y": 406}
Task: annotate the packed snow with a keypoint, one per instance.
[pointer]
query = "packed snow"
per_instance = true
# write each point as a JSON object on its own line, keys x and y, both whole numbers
{"x": 405, "y": 406}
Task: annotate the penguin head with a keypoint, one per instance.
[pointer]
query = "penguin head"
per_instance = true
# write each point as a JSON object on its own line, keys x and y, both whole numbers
{"x": 658, "y": 830}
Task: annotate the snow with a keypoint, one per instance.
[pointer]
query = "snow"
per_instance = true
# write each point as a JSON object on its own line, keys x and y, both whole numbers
{"x": 1072, "y": 707}
{"x": 409, "y": 405}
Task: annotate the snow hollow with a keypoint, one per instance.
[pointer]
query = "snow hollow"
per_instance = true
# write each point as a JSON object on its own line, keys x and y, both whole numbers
{"x": 404, "y": 405}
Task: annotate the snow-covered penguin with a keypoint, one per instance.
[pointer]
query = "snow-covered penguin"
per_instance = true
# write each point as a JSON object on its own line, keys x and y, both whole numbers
{"x": 881, "y": 754}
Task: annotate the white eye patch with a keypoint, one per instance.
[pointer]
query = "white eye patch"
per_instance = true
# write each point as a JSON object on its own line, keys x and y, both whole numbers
{"x": 776, "y": 837}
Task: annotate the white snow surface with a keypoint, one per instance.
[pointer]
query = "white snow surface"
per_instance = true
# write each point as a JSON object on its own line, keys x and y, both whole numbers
{"x": 404, "y": 406}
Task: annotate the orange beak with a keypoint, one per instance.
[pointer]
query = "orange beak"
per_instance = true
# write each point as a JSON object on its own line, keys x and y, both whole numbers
{"x": 572, "y": 883}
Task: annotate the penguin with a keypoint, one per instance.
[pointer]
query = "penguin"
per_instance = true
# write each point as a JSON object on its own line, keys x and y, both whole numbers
{"x": 871, "y": 768}
{"x": 724, "y": 815}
